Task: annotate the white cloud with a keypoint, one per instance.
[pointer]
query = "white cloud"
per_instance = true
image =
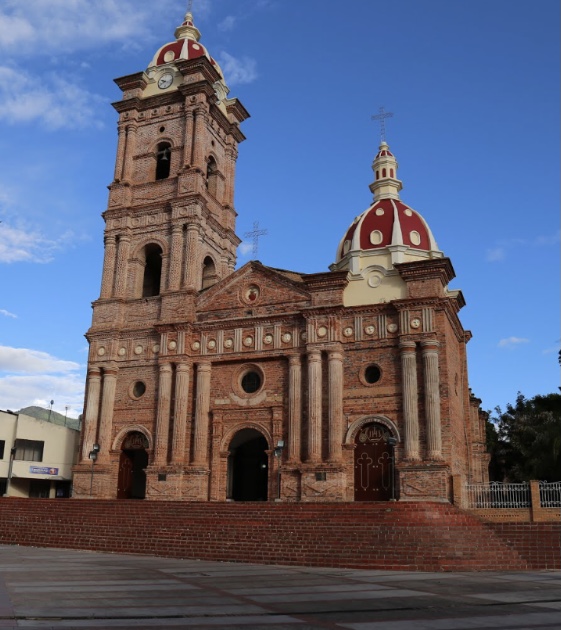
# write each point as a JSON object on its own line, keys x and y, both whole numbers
{"x": 19, "y": 244}
{"x": 26, "y": 361}
{"x": 495, "y": 254}
{"x": 6, "y": 313}
{"x": 31, "y": 377}
{"x": 51, "y": 100}
{"x": 244, "y": 248}
{"x": 227, "y": 24}
{"x": 512, "y": 342}
{"x": 57, "y": 26}
{"x": 17, "y": 392}
{"x": 238, "y": 71}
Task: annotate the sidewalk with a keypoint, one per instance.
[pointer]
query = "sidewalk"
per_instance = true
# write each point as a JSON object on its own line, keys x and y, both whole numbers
{"x": 50, "y": 588}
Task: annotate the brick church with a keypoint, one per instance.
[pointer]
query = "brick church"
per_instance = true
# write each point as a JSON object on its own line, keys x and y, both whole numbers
{"x": 211, "y": 383}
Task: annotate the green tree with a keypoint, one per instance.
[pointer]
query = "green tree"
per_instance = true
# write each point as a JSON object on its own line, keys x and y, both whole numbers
{"x": 525, "y": 440}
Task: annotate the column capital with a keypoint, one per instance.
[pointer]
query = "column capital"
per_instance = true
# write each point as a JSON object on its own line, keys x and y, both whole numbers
{"x": 165, "y": 367}
{"x": 407, "y": 346}
{"x": 430, "y": 345}
{"x": 94, "y": 372}
{"x": 110, "y": 370}
{"x": 314, "y": 354}
{"x": 335, "y": 355}
{"x": 294, "y": 359}
{"x": 204, "y": 366}
{"x": 183, "y": 367}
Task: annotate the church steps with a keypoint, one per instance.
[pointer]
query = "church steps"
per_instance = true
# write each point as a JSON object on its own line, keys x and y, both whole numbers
{"x": 397, "y": 536}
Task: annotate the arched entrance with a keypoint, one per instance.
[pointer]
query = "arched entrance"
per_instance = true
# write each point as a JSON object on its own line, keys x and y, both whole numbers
{"x": 132, "y": 464}
{"x": 373, "y": 463}
{"x": 248, "y": 465}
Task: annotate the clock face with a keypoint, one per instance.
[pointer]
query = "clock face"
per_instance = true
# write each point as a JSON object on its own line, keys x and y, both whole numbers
{"x": 165, "y": 81}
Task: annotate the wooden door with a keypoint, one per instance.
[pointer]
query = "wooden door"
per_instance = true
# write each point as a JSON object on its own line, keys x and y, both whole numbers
{"x": 373, "y": 464}
{"x": 124, "y": 484}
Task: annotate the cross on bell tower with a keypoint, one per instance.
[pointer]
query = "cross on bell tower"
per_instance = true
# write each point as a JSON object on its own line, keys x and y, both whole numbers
{"x": 255, "y": 234}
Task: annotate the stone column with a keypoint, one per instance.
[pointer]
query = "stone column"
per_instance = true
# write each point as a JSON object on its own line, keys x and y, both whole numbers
{"x": 92, "y": 411}
{"x": 109, "y": 260}
{"x": 175, "y": 259}
{"x": 188, "y": 140}
{"x": 162, "y": 419}
{"x": 335, "y": 406}
{"x": 122, "y": 266}
{"x": 202, "y": 409}
{"x": 130, "y": 148}
{"x": 410, "y": 407}
{"x": 106, "y": 420}
{"x": 198, "y": 146}
{"x": 294, "y": 408}
{"x": 121, "y": 148}
{"x": 431, "y": 375}
{"x": 191, "y": 259}
{"x": 314, "y": 406}
{"x": 179, "y": 438}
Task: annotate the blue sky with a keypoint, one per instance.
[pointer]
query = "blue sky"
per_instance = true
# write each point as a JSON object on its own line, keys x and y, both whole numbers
{"x": 474, "y": 89}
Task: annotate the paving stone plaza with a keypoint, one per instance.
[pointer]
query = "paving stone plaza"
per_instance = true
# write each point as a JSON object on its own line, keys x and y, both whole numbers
{"x": 52, "y": 588}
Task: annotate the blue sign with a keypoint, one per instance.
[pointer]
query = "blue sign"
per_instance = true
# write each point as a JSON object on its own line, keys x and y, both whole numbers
{"x": 43, "y": 470}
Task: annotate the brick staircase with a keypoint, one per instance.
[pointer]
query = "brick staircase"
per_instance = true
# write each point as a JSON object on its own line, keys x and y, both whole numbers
{"x": 397, "y": 536}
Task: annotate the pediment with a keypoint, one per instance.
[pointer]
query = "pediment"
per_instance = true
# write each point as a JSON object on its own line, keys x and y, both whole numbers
{"x": 254, "y": 287}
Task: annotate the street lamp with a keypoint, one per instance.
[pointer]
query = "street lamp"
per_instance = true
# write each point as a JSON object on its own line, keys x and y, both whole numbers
{"x": 392, "y": 443}
{"x": 93, "y": 456}
{"x": 278, "y": 453}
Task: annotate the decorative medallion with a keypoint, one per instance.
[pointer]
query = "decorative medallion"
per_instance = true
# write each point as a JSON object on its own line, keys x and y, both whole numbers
{"x": 268, "y": 340}
{"x": 122, "y": 352}
{"x": 322, "y": 331}
{"x": 392, "y": 328}
{"x": 156, "y": 348}
{"x": 348, "y": 331}
{"x": 379, "y": 212}
{"x": 369, "y": 330}
{"x": 376, "y": 237}
{"x": 101, "y": 351}
{"x": 408, "y": 213}
{"x": 172, "y": 345}
{"x": 252, "y": 294}
{"x": 248, "y": 341}
{"x": 415, "y": 323}
{"x": 304, "y": 336}
{"x": 346, "y": 246}
{"x": 228, "y": 343}
{"x": 286, "y": 337}
{"x": 374, "y": 281}
{"x": 211, "y": 344}
{"x": 196, "y": 345}
{"x": 139, "y": 349}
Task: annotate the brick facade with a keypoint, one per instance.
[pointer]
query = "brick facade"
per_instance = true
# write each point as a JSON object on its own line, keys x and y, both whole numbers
{"x": 207, "y": 383}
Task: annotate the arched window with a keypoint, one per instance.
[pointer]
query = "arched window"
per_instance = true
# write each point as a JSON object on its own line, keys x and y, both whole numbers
{"x": 383, "y": 172}
{"x": 163, "y": 160}
{"x": 152, "y": 270}
{"x": 212, "y": 176}
{"x": 391, "y": 172}
{"x": 209, "y": 273}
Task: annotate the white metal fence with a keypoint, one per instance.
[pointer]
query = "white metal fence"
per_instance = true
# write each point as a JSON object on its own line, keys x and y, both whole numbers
{"x": 498, "y": 495}
{"x": 512, "y": 495}
{"x": 550, "y": 494}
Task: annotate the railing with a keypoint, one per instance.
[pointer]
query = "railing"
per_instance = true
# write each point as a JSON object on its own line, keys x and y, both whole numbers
{"x": 498, "y": 495}
{"x": 550, "y": 494}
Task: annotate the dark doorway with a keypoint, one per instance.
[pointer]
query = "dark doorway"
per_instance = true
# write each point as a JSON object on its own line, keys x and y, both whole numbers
{"x": 248, "y": 466}
{"x": 373, "y": 464}
{"x": 132, "y": 467}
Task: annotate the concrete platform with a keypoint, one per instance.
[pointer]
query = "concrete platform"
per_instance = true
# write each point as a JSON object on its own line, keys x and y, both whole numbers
{"x": 51, "y": 588}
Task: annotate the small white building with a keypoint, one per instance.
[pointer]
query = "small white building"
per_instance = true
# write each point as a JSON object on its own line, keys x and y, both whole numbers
{"x": 36, "y": 457}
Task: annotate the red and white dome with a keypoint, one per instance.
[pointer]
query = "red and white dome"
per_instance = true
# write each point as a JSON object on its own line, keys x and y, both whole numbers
{"x": 388, "y": 225}
{"x": 186, "y": 46}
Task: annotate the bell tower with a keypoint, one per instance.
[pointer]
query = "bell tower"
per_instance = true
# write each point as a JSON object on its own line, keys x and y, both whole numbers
{"x": 169, "y": 234}
{"x": 170, "y": 220}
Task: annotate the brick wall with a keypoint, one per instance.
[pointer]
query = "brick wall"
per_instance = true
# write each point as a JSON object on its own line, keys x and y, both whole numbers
{"x": 412, "y": 536}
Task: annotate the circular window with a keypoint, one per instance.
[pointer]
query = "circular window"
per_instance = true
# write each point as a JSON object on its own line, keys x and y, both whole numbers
{"x": 372, "y": 374}
{"x": 251, "y": 382}
{"x": 138, "y": 389}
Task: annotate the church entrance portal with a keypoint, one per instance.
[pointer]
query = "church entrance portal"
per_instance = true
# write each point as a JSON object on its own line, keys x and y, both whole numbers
{"x": 132, "y": 464}
{"x": 373, "y": 464}
{"x": 248, "y": 466}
